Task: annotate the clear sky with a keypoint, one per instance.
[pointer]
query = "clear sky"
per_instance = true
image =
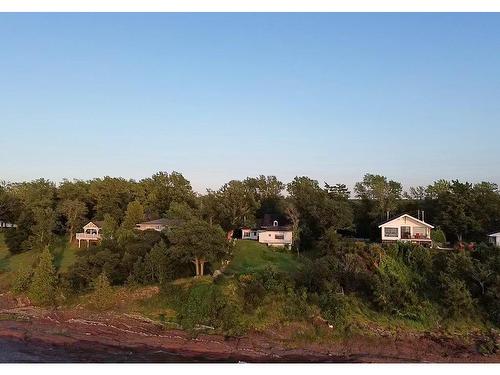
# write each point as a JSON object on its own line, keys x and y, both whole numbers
{"x": 415, "y": 97}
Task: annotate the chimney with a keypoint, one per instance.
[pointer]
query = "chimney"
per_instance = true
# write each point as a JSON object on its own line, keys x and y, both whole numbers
{"x": 387, "y": 215}
{"x": 423, "y": 215}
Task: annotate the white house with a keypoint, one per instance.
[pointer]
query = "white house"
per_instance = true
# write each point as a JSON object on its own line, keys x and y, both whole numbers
{"x": 249, "y": 234}
{"x": 406, "y": 228}
{"x": 276, "y": 235}
{"x": 91, "y": 233}
{"x": 271, "y": 235}
{"x": 495, "y": 238}
{"x": 158, "y": 225}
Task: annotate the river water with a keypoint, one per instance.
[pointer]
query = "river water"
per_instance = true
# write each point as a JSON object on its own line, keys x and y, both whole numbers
{"x": 14, "y": 351}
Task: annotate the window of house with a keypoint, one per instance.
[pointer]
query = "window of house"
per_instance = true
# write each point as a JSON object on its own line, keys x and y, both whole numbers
{"x": 419, "y": 231}
{"x": 390, "y": 232}
{"x": 246, "y": 234}
{"x": 279, "y": 236}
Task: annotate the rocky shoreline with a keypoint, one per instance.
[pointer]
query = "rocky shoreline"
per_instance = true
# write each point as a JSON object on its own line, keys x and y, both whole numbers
{"x": 137, "y": 339}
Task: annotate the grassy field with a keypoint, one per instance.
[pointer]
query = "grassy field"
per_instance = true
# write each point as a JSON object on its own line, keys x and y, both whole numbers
{"x": 252, "y": 256}
{"x": 64, "y": 255}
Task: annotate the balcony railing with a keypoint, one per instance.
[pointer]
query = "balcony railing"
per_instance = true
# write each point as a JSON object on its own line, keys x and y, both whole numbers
{"x": 415, "y": 237}
{"x": 88, "y": 236}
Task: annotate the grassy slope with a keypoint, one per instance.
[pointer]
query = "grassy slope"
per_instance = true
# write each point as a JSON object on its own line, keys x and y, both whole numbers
{"x": 10, "y": 264}
{"x": 252, "y": 256}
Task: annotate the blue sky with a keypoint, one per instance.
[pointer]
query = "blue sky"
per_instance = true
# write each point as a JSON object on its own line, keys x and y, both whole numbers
{"x": 415, "y": 97}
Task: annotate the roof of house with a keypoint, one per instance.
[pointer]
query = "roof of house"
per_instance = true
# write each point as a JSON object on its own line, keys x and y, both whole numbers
{"x": 494, "y": 234}
{"x": 161, "y": 221}
{"x": 97, "y": 223}
{"x": 407, "y": 215}
{"x": 277, "y": 228}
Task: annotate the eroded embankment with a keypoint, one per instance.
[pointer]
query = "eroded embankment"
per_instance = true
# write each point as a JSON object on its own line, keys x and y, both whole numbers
{"x": 119, "y": 337}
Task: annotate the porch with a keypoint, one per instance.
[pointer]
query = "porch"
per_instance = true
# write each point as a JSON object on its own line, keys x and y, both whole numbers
{"x": 88, "y": 237}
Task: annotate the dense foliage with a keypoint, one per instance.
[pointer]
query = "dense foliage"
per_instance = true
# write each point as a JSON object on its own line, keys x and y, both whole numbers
{"x": 336, "y": 273}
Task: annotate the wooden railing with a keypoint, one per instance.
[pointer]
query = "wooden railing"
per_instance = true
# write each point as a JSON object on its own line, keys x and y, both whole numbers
{"x": 88, "y": 236}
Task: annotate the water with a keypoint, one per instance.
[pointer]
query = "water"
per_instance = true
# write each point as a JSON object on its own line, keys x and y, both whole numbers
{"x": 14, "y": 351}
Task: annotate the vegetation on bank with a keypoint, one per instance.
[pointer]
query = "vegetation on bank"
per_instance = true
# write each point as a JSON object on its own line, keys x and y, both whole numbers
{"x": 328, "y": 285}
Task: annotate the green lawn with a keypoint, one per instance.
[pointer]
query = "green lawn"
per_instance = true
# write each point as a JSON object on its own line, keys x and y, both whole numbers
{"x": 252, "y": 256}
{"x": 64, "y": 256}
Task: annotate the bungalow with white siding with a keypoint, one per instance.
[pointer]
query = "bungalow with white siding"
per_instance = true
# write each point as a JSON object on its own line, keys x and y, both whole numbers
{"x": 158, "y": 225}
{"x": 269, "y": 233}
{"x": 406, "y": 228}
{"x": 276, "y": 235}
{"x": 495, "y": 238}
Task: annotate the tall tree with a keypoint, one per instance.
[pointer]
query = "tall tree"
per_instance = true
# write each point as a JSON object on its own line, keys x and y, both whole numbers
{"x": 133, "y": 215}
{"x": 74, "y": 211}
{"x": 42, "y": 230}
{"x": 43, "y": 284}
{"x": 318, "y": 209}
{"x": 162, "y": 189}
{"x": 235, "y": 205}
{"x": 384, "y": 193}
{"x": 199, "y": 242}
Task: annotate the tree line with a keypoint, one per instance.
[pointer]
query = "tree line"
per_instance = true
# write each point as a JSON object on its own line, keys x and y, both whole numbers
{"x": 336, "y": 271}
{"x": 41, "y": 209}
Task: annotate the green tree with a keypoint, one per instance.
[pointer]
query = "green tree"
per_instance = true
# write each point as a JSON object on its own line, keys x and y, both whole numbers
{"x": 74, "y": 211}
{"x": 268, "y": 193}
{"x": 43, "y": 284}
{"x": 199, "y": 242}
{"x": 318, "y": 209}
{"x": 133, "y": 215}
{"x": 109, "y": 227}
{"x": 111, "y": 196}
{"x": 163, "y": 188}
{"x": 384, "y": 193}
{"x": 102, "y": 297}
{"x": 234, "y": 204}
{"x": 42, "y": 230}
{"x": 158, "y": 263}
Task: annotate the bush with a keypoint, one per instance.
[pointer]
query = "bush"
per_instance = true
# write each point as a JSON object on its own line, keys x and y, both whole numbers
{"x": 43, "y": 284}
{"x": 455, "y": 296}
{"x": 334, "y": 308}
{"x": 393, "y": 288}
{"x": 205, "y": 304}
{"x": 438, "y": 236}
{"x": 252, "y": 291}
{"x": 22, "y": 280}
{"x": 102, "y": 296}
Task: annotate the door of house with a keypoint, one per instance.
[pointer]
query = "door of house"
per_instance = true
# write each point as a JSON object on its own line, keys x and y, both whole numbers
{"x": 405, "y": 232}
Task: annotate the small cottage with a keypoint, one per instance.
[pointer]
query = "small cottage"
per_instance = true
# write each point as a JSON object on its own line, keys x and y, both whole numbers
{"x": 406, "y": 228}
{"x": 276, "y": 235}
{"x": 91, "y": 233}
{"x": 271, "y": 234}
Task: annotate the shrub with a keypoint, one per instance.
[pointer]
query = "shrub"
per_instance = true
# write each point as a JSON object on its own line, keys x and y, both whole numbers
{"x": 438, "y": 236}
{"x": 252, "y": 291}
{"x": 393, "y": 287}
{"x": 102, "y": 296}
{"x": 455, "y": 296}
{"x": 22, "y": 280}
{"x": 334, "y": 308}
{"x": 205, "y": 304}
{"x": 43, "y": 284}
